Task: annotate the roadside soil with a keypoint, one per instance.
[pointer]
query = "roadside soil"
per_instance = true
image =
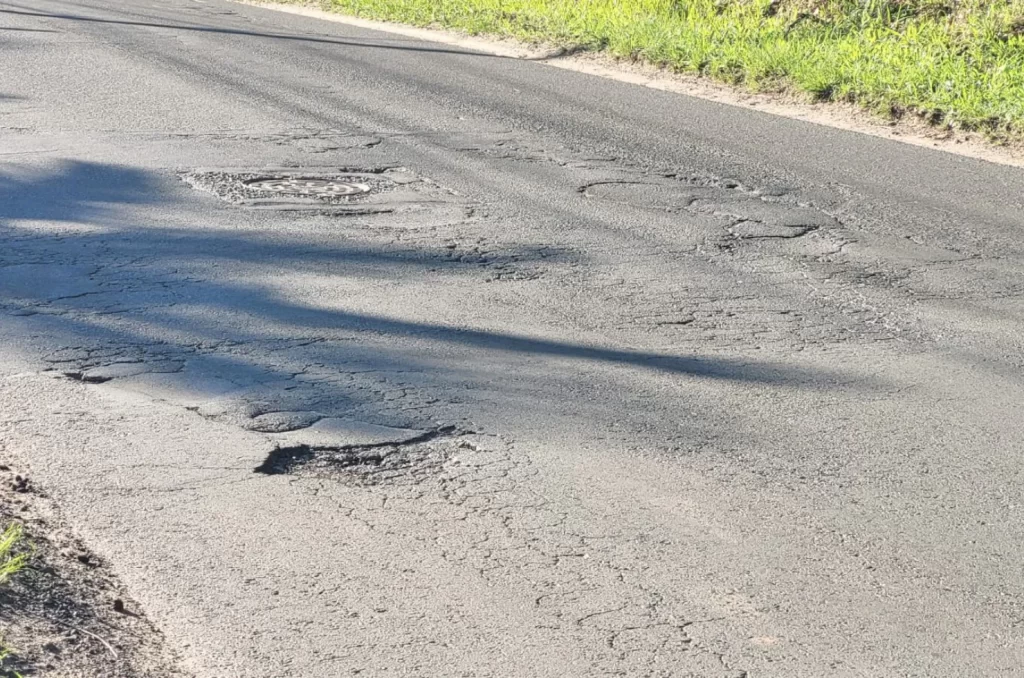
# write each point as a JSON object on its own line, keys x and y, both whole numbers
{"x": 66, "y": 615}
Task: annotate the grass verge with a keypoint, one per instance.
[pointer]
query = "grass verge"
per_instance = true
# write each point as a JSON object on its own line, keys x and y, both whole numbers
{"x": 958, "y": 64}
{"x": 12, "y": 561}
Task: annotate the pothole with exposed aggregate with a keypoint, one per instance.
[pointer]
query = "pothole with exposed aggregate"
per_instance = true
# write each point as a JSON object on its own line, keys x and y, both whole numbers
{"x": 290, "y": 187}
{"x": 407, "y": 461}
{"x": 411, "y": 201}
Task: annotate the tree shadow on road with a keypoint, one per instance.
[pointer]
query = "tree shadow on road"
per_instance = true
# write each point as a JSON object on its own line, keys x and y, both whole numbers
{"x": 119, "y": 274}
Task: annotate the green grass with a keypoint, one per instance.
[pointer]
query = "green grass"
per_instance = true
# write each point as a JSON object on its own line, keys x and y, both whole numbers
{"x": 957, "y": 63}
{"x": 12, "y": 561}
{"x": 5, "y": 653}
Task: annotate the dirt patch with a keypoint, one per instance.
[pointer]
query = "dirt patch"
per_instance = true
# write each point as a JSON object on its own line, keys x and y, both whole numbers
{"x": 66, "y": 614}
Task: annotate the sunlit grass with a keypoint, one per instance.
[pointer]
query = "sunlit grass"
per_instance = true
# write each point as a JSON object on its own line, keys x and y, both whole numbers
{"x": 5, "y": 654}
{"x": 955, "y": 62}
{"x": 12, "y": 561}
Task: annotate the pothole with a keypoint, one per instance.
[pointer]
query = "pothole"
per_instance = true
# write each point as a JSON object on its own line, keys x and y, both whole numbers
{"x": 410, "y": 199}
{"x": 309, "y": 186}
{"x": 406, "y": 461}
{"x": 284, "y": 188}
{"x": 87, "y": 378}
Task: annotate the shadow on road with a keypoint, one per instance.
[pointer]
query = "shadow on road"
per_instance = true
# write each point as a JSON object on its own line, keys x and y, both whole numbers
{"x": 83, "y": 252}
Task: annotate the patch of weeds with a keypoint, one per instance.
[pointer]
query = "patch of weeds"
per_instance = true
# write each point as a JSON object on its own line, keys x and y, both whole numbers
{"x": 12, "y": 561}
{"x": 5, "y": 654}
{"x": 12, "y": 558}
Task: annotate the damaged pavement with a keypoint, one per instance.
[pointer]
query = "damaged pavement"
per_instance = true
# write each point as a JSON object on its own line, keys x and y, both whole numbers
{"x": 355, "y": 355}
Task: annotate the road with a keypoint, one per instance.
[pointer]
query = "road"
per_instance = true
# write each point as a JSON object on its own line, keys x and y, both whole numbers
{"x": 583, "y": 379}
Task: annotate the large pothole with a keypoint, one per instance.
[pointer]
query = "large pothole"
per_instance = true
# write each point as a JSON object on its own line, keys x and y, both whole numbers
{"x": 411, "y": 200}
{"x": 292, "y": 188}
{"x": 325, "y": 188}
{"x": 406, "y": 461}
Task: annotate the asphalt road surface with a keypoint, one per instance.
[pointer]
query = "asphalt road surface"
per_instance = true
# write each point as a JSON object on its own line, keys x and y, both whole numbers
{"x": 363, "y": 355}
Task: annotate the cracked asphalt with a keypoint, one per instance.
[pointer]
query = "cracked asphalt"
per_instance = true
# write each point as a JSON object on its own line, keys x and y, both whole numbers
{"x": 594, "y": 380}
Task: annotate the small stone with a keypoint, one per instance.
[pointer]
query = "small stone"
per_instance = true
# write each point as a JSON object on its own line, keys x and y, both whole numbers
{"x": 119, "y": 606}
